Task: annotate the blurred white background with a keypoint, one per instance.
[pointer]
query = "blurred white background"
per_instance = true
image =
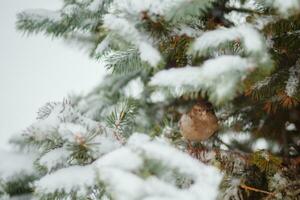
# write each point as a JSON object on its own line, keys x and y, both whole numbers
{"x": 36, "y": 69}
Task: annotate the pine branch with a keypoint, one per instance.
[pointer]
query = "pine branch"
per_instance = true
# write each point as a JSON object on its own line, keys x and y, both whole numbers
{"x": 235, "y": 158}
{"x": 123, "y": 62}
{"x": 121, "y": 119}
{"x": 243, "y": 10}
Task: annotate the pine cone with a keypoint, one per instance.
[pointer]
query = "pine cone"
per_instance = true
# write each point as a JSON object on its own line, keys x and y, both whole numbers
{"x": 199, "y": 123}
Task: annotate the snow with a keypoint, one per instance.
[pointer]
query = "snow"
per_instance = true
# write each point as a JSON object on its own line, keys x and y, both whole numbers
{"x": 129, "y": 32}
{"x": 230, "y": 121}
{"x": 167, "y": 8}
{"x": 172, "y": 158}
{"x": 119, "y": 171}
{"x": 70, "y": 9}
{"x": 134, "y": 88}
{"x": 290, "y": 126}
{"x": 216, "y": 67}
{"x": 71, "y": 179}
{"x": 285, "y": 6}
{"x": 53, "y": 114}
{"x": 111, "y": 57}
{"x": 162, "y": 189}
{"x": 105, "y": 144}
{"x": 121, "y": 26}
{"x": 123, "y": 185}
{"x": 42, "y": 14}
{"x": 250, "y": 38}
{"x": 116, "y": 159}
{"x": 54, "y": 158}
{"x": 177, "y": 77}
{"x": 104, "y": 140}
{"x": 56, "y": 118}
{"x": 157, "y": 7}
{"x": 149, "y": 54}
{"x": 19, "y": 197}
{"x": 187, "y": 30}
{"x": 238, "y": 17}
{"x": 137, "y": 138}
{"x": 230, "y": 136}
{"x": 71, "y": 128}
{"x": 63, "y": 122}
{"x": 260, "y": 144}
{"x": 13, "y": 163}
{"x": 102, "y": 46}
{"x": 167, "y": 131}
{"x": 213, "y": 39}
{"x": 49, "y": 119}
{"x": 95, "y": 5}
{"x": 260, "y": 84}
{"x": 72, "y": 132}
{"x": 157, "y": 96}
{"x": 293, "y": 80}
{"x": 219, "y": 76}
{"x": 211, "y": 69}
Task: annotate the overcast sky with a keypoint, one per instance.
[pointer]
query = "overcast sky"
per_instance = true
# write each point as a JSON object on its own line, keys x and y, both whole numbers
{"x": 36, "y": 69}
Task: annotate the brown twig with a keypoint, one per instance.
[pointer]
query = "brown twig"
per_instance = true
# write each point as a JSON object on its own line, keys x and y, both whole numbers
{"x": 245, "y": 187}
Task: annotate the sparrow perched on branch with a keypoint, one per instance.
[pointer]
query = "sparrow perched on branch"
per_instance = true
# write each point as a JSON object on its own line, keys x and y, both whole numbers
{"x": 199, "y": 123}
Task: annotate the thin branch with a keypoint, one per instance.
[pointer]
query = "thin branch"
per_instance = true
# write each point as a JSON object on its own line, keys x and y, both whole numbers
{"x": 245, "y": 187}
{"x": 244, "y": 10}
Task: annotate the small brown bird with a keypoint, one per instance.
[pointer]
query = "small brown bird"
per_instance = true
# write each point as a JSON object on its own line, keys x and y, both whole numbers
{"x": 199, "y": 123}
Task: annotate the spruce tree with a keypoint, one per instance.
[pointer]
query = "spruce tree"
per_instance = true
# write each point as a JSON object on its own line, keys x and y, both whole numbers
{"x": 192, "y": 87}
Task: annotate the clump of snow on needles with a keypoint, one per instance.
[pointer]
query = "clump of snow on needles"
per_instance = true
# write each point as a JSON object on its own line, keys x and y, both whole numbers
{"x": 115, "y": 159}
{"x": 55, "y": 157}
{"x": 95, "y": 5}
{"x": 285, "y": 6}
{"x": 219, "y": 76}
{"x": 128, "y": 31}
{"x": 149, "y": 54}
{"x": 134, "y": 88}
{"x": 167, "y": 8}
{"x": 14, "y": 163}
{"x": 42, "y": 14}
{"x": 71, "y": 179}
{"x": 158, "y": 96}
{"x": 156, "y": 7}
{"x": 175, "y": 159}
{"x": 293, "y": 82}
{"x": 120, "y": 171}
{"x": 122, "y": 181}
{"x": 250, "y": 38}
